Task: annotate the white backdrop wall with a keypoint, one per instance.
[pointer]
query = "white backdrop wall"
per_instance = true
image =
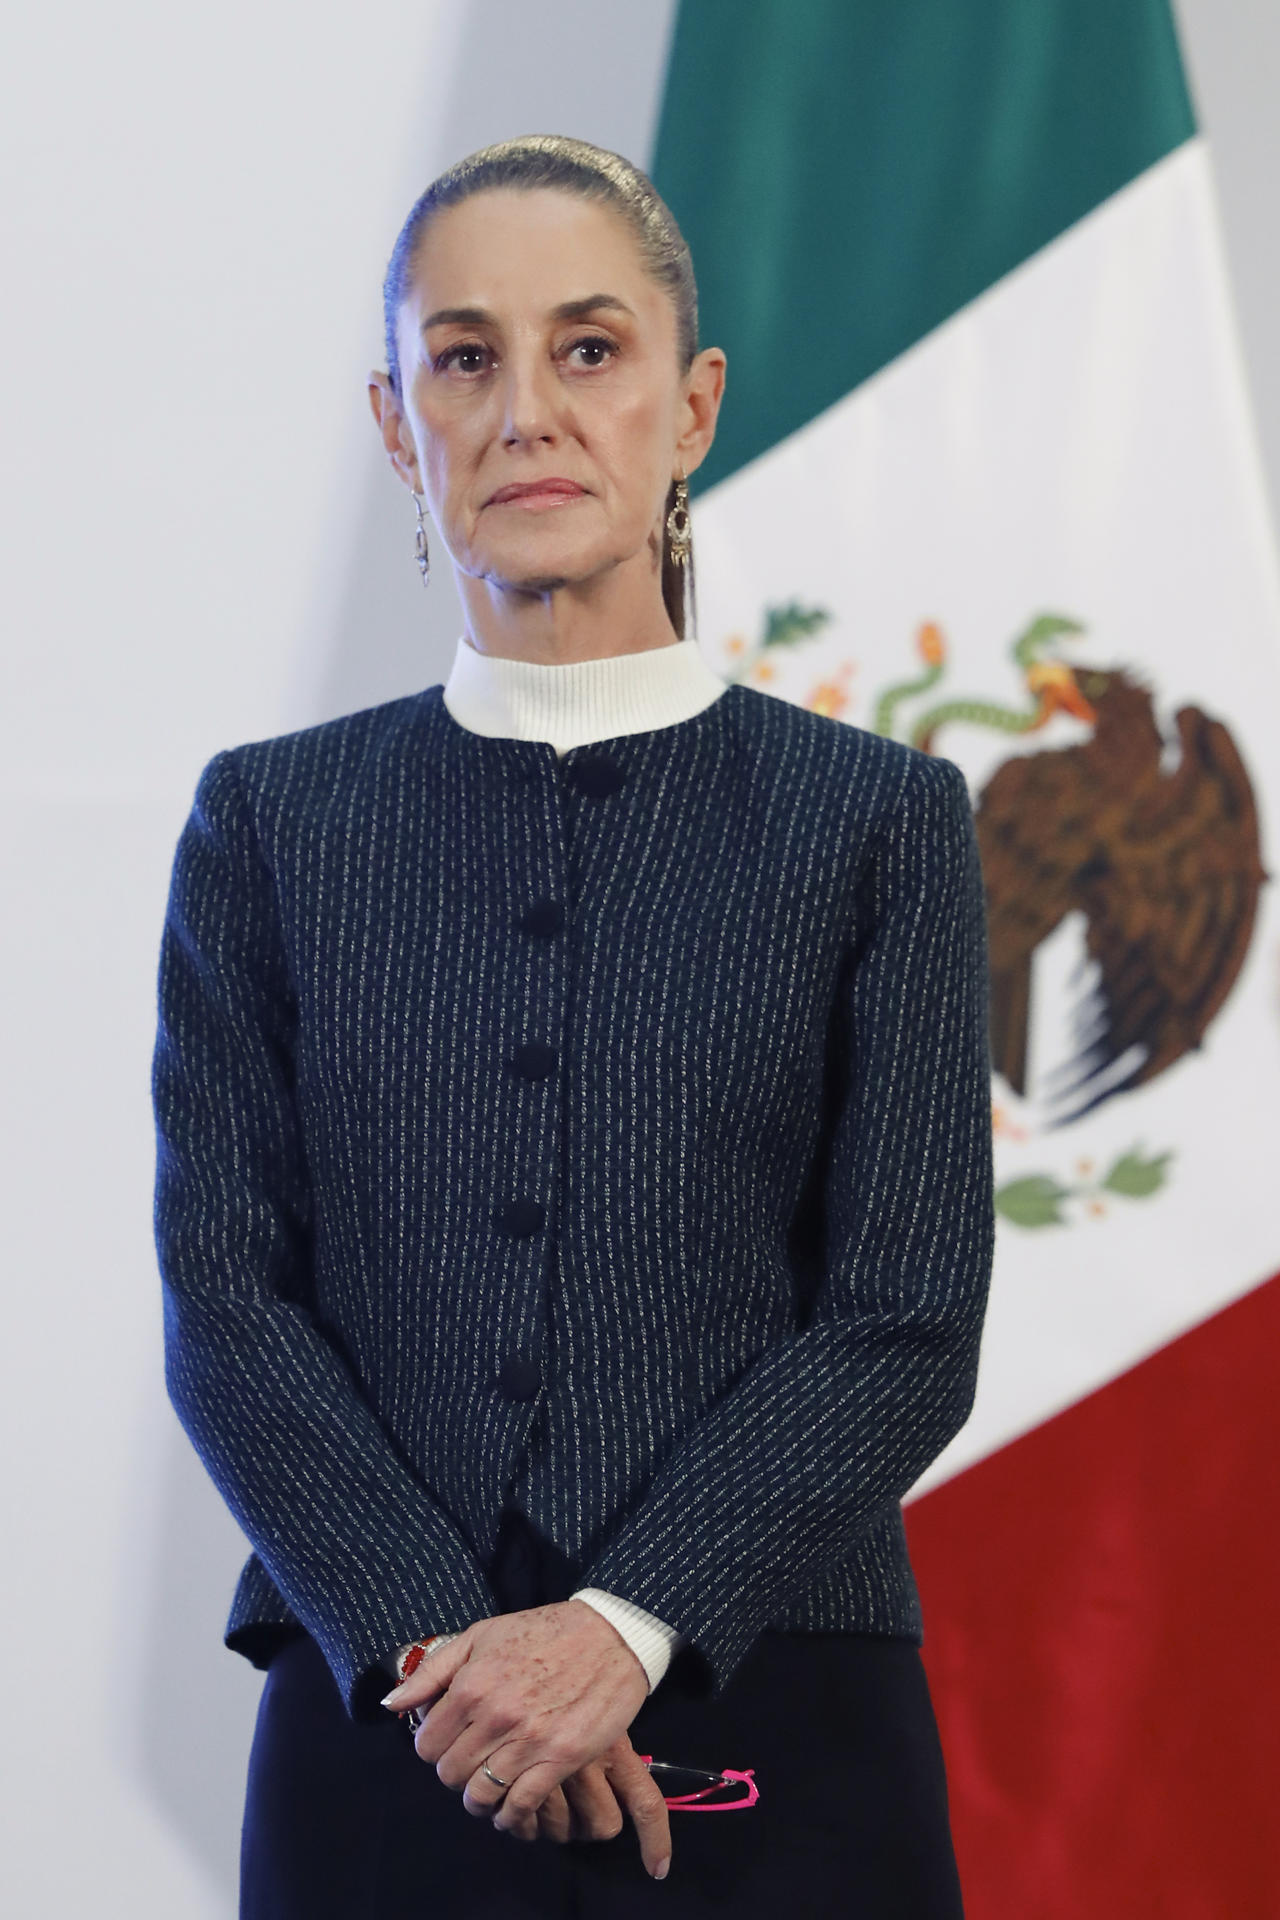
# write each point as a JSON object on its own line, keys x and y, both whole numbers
{"x": 203, "y": 544}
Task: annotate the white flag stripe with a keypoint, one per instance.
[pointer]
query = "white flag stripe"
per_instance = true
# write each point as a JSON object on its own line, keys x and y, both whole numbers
{"x": 1078, "y": 441}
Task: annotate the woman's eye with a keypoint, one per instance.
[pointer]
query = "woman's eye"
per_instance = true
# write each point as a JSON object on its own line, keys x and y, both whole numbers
{"x": 595, "y": 350}
{"x": 468, "y": 356}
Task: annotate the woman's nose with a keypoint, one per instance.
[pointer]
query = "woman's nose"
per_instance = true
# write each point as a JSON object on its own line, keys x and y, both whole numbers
{"x": 531, "y": 401}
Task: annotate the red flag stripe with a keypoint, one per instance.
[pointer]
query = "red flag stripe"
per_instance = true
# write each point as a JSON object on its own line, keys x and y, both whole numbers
{"x": 1101, "y": 1601}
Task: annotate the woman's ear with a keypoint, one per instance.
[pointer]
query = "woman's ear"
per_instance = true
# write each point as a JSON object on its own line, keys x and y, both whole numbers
{"x": 703, "y": 392}
{"x": 396, "y": 437}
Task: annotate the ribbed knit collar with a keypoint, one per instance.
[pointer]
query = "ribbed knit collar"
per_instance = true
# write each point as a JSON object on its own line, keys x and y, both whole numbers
{"x": 585, "y": 700}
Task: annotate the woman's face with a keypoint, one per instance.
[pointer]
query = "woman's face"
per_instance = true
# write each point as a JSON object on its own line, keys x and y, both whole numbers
{"x": 544, "y": 413}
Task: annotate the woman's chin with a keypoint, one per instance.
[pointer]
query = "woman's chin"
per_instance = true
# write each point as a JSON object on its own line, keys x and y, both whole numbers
{"x": 543, "y": 569}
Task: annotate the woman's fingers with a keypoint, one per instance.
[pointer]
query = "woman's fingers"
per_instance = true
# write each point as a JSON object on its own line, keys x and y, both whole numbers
{"x": 596, "y": 1813}
{"x": 518, "y": 1810}
{"x": 589, "y": 1805}
{"x": 555, "y": 1817}
{"x": 640, "y": 1794}
{"x": 585, "y": 1806}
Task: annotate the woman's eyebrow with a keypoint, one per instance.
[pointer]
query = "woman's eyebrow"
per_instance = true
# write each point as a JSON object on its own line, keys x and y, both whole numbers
{"x": 567, "y": 310}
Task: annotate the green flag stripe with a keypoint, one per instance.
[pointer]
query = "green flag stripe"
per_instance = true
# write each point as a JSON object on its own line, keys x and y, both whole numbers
{"x": 849, "y": 173}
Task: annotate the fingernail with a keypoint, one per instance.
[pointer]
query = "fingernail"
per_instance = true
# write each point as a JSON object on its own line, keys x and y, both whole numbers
{"x": 389, "y": 1699}
{"x": 660, "y": 1871}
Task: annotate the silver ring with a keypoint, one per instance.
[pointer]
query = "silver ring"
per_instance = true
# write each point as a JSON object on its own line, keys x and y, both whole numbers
{"x": 493, "y": 1776}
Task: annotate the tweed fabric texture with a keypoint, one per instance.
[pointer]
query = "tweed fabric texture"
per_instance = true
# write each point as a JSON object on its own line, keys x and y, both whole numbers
{"x": 607, "y": 1136}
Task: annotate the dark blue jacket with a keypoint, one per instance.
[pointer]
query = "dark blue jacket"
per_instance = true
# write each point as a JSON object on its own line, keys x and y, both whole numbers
{"x": 610, "y": 1136}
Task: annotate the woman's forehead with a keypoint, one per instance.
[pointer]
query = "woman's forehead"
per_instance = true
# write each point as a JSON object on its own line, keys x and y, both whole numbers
{"x": 532, "y": 249}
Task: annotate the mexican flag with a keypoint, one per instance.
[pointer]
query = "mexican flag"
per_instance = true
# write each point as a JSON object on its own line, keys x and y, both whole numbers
{"x": 986, "y": 481}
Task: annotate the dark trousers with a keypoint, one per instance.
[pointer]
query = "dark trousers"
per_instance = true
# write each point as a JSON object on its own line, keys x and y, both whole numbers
{"x": 344, "y": 1822}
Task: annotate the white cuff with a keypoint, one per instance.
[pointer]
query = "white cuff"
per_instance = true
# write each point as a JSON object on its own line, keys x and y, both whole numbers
{"x": 651, "y": 1640}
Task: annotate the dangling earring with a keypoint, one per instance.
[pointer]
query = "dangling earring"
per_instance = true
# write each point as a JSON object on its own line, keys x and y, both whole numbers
{"x": 423, "y": 557}
{"x": 680, "y": 552}
{"x": 679, "y": 533}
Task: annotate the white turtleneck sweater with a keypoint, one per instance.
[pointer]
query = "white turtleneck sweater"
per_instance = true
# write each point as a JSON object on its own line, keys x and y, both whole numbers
{"x": 572, "y": 706}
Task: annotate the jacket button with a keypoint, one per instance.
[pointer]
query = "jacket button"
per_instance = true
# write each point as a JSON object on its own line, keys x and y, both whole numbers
{"x": 519, "y": 1377}
{"x": 596, "y": 774}
{"x": 543, "y": 917}
{"x": 535, "y": 1060}
{"x": 522, "y": 1217}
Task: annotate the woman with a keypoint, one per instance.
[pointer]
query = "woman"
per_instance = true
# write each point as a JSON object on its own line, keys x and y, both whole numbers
{"x": 574, "y": 1199}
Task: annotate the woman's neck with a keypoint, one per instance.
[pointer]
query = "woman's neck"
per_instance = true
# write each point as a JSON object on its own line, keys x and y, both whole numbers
{"x": 620, "y": 611}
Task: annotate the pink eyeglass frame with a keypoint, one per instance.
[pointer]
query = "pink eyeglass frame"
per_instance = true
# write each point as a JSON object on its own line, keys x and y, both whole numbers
{"x": 693, "y": 1802}
{"x": 681, "y": 1802}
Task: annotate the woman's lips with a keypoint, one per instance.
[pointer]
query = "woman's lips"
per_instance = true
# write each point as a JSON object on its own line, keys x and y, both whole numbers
{"x": 537, "y": 493}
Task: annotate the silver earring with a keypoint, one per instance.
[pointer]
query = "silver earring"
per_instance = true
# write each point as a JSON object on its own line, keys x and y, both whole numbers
{"x": 679, "y": 532}
{"x": 423, "y": 557}
{"x": 680, "y": 552}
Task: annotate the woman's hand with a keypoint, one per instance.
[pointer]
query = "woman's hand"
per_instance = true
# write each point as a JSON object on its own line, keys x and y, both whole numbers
{"x": 546, "y": 1696}
{"x": 588, "y": 1805}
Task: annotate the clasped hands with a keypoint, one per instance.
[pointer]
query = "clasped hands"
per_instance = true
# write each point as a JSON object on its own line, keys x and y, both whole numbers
{"x": 546, "y": 1696}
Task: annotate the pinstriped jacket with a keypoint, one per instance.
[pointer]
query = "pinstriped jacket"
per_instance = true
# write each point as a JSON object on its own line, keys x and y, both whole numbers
{"x": 608, "y": 1136}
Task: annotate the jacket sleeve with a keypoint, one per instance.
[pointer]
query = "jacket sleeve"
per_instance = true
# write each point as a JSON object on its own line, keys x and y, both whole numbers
{"x": 769, "y": 1490}
{"x": 348, "y": 1532}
